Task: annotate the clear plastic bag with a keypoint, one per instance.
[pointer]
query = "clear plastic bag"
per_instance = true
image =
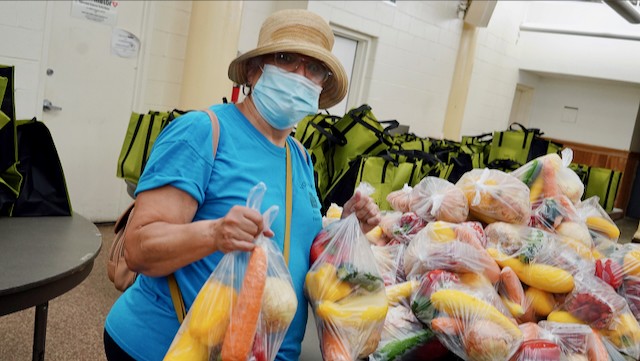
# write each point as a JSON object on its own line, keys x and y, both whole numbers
{"x": 437, "y": 199}
{"x": 512, "y": 293}
{"x": 347, "y": 293}
{"x": 597, "y": 219}
{"x": 399, "y": 200}
{"x": 536, "y": 256}
{"x": 494, "y": 196}
{"x": 400, "y": 228}
{"x": 596, "y": 304}
{"x": 552, "y": 212}
{"x": 334, "y": 213}
{"x": 389, "y": 260}
{"x": 472, "y": 322}
{"x": 549, "y": 176}
{"x": 404, "y": 337}
{"x": 631, "y": 292}
{"x": 559, "y": 216}
{"x": 450, "y": 247}
{"x": 244, "y": 309}
{"x": 572, "y": 338}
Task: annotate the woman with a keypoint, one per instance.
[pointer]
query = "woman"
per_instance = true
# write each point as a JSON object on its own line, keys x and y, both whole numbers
{"x": 190, "y": 207}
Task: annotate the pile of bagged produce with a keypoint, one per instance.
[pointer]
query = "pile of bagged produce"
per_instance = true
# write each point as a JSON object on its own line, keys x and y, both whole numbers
{"x": 498, "y": 266}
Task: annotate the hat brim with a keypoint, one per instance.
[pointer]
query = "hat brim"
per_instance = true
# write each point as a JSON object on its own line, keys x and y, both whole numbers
{"x": 333, "y": 90}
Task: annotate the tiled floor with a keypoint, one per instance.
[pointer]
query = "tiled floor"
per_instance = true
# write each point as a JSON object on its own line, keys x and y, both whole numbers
{"x": 628, "y": 227}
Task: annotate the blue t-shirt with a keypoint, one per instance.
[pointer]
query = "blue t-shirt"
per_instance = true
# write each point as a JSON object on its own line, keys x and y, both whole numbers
{"x": 143, "y": 321}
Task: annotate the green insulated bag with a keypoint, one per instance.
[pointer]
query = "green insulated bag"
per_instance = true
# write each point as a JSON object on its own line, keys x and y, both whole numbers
{"x": 383, "y": 172}
{"x": 10, "y": 178}
{"x": 410, "y": 141}
{"x": 44, "y": 189}
{"x": 512, "y": 145}
{"x": 318, "y": 134}
{"x": 386, "y": 173}
{"x": 142, "y": 132}
{"x": 478, "y": 146}
{"x": 603, "y": 182}
{"x": 365, "y": 135}
{"x": 519, "y": 145}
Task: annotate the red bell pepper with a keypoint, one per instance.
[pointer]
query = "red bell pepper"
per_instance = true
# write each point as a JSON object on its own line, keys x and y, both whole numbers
{"x": 610, "y": 272}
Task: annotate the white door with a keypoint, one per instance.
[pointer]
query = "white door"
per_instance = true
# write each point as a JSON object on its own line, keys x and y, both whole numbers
{"x": 78, "y": 72}
{"x": 345, "y": 49}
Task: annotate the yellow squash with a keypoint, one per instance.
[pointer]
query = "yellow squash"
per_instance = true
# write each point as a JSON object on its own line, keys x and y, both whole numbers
{"x": 515, "y": 309}
{"x": 460, "y": 304}
{"x": 631, "y": 263}
{"x": 563, "y": 317}
{"x": 187, "y": 348}
{"x": 441, "y": 232}
{"x": 625, "y": 332}
{"x": 542, "y": 276}
{"x": 400, "y": 291}
{"x": 323, "y": 284}
{"x": 210, "y": 312}
{"x": 354, "y": 311}
{"x": 602, "y": 225}
{"x": 542, "y": 302}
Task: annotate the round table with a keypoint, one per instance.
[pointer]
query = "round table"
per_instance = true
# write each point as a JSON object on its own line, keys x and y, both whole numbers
{"x": 42, "y": 258}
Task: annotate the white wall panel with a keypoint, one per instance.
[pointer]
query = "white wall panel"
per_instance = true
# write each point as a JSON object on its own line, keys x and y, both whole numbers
{"x": 604, "y": 110}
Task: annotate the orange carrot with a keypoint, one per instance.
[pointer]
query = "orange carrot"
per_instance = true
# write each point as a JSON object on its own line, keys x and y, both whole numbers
{"x": 491, "y": 268}
{"x": 447, "y": 325}
{"x": 244, "y": 317}
{"x": 468, "y": 236}
{"x": 333, "y": 347}
{"x": 596, "y": 349}
{"x": 512, "y": 285}
{"x": 550, "y": 183}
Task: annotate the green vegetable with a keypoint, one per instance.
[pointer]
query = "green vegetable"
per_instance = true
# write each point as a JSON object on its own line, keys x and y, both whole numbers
{"x": 550, "y": 211}
{"x": 369, "y": 282}
{"x": 423, "y": 309}
{"x": 531, "y": 249}
{"x": 395, "y": 349}
{"x": 533, "y": 172}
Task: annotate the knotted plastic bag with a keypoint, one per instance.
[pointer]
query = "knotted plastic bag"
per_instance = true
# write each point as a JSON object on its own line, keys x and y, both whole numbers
{"x": 494, "y": 195}
{"x": 549, "y": 176}
{"x": 450, "y": 247}
{"x": 244, "y": 309}
{"x": 347, "y": 293}
{"x": 471, "y": 321}
{"x": 399, "y": 199}
{"x": 401, "y": 228}
{"x": 597, "y": 219}
{"x": 437, "y": 199}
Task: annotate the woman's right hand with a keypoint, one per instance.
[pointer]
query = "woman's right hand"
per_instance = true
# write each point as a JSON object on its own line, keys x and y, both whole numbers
{"x": 238, "y": 229}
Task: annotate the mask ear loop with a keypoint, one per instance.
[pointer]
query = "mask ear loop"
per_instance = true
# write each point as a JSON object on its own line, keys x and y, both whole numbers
{"x": 246, "y": 92}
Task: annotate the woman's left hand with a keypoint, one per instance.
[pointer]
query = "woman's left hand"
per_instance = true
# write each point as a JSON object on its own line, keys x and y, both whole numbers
{"x": 365, "y": 209}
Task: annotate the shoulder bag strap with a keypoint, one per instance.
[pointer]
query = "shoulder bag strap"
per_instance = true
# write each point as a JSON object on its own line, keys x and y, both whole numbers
{"x": 176, "y": 295}
{"x": 176, "y": 298}
{"x": 289, "y": 206}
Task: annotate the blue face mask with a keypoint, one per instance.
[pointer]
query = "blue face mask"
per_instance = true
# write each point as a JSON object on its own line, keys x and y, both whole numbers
{"x": 283, "y": 98}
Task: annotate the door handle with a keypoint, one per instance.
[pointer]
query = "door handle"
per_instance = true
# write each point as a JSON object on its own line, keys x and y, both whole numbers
{"x": 48, "y": 106}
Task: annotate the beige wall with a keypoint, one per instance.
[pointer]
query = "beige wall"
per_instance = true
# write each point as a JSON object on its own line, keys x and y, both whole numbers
{"x": 211, "y": 46}
{"x": 409, "y": 74}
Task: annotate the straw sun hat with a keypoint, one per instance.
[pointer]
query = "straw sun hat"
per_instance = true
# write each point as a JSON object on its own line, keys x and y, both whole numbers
{"x": 303, "y": 32}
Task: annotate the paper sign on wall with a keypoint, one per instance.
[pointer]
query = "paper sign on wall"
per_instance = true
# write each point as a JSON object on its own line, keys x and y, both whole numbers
{"x": 100, "y": 11}
{"x": 124, "y": 44}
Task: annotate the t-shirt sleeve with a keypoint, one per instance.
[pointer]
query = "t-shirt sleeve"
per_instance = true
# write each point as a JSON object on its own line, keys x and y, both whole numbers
{"x": 182, "y": 157}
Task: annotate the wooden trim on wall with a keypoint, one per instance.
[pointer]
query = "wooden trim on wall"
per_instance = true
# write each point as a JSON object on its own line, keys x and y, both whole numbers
{"x": 616, "y": 159}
